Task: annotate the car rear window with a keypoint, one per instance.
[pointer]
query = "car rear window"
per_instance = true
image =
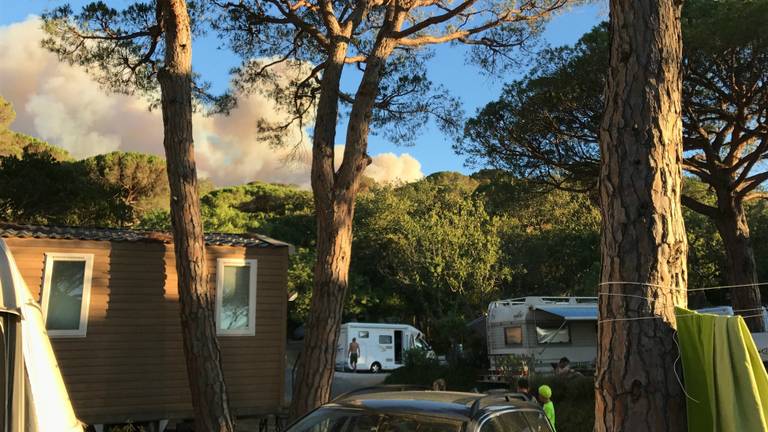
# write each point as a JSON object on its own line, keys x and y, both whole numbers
{"x": 348, "y": 420}
{"x": 538, "y": 421}
{"x": 506, "y": 422}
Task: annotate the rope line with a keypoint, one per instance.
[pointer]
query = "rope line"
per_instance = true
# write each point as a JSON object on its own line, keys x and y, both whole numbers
{"x": 753, "y": 285}
{"x": 660, "y": 317}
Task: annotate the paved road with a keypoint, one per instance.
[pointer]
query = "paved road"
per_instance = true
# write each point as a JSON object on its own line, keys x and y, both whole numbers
{"x": 342, "y": 382}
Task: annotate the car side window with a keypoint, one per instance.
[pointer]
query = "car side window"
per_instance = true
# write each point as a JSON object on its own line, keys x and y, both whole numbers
{"x": 506, "y": 422}
{"x": 538, "y": 421}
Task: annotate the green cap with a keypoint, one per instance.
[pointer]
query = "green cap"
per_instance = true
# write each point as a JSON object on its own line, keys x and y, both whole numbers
{"x": 545, "y": 391}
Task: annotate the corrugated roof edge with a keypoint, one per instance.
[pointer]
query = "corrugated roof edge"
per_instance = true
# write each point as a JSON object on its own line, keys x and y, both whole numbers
{"x": 8, "y": 229}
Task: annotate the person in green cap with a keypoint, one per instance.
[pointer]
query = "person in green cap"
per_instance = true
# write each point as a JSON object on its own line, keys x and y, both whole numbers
{"x": 545, "y": 395}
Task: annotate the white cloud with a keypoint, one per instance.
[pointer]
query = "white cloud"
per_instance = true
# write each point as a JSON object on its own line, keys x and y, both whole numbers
{"x": 391, "y": 168}
{"x": 63, "y": 105}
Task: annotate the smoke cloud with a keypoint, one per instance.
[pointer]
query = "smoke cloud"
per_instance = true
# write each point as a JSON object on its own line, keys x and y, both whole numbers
{"x": 61, "y": 104}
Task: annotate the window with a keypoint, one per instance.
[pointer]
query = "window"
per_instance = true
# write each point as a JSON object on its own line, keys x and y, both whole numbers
{"x": 236, "y": 297}
{"x": 508, "y": 421}
{"x": 553, "y": 335}
{"x": 385, "y": 339}
{"x": 362, "y": 335}
{"x": 513, "y": 335}
{"x": 66, "y": 293}
{"x": 538, "y": 421}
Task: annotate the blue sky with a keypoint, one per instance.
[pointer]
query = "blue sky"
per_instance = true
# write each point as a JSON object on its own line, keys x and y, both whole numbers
{"x": 448, "y": 68}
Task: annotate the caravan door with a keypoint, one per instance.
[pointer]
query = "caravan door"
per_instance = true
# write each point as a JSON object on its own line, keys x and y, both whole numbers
{"x": 398, "y": 347}
{"x": 386, "y": 345}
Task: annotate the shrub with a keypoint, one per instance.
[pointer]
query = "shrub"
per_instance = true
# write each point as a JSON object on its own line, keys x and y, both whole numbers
{"x": 574, "y": 400}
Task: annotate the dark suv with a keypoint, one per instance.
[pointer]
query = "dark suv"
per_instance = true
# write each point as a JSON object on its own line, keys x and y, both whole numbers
{"x": 386, "y": 410}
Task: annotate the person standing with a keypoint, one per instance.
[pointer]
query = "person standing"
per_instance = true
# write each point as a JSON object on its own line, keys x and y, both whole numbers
{"x": 354, "y": 354}
{"x": 545, "y": 398}
{"x": 524, "y": 389}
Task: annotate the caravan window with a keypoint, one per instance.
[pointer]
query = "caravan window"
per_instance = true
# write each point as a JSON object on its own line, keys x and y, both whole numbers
{"x": 513, "y": 335}
{"x": 236, "y": 297}
{"x": 385, "y": 339}
{"x": 362, "y": 335}
{"x": 66, "y": 293}
{"x": 553, "y": 335}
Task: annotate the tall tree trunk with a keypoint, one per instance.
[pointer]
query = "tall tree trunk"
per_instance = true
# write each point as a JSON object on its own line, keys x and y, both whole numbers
{"x": 334, "y": 193}
{"x": 643, "y": 237}
{"x": 201, "y": 349}
{"x": 314, "y": 376}
{"x": 731, "y": 222}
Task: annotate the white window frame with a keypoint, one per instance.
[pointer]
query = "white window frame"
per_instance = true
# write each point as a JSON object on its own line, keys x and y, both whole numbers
{"x": 50, "y": 258}
{"x": 238, "y": 262}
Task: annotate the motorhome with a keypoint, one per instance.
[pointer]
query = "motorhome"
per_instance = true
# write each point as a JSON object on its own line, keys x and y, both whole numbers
{"x": 382, "y": 346}
{"x": 538, "y": 331}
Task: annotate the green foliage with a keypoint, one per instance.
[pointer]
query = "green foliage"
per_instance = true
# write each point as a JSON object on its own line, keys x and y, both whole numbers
{"x": 39, "y": 189}
{"x": 140, "y": 179}
{"x": 574, "y": 400}
{"x": 431, "y": 245}
{"x": 419, "y": 359}
{"x": 457, "y": 377}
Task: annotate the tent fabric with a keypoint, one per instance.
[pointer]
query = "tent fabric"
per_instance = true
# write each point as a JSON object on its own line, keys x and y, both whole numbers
{"x": 572, "y": 313}
{"x": 35, "y": 399}
{"x": 725, "y": 379}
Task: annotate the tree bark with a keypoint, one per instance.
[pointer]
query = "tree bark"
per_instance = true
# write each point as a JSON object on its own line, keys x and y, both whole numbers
{"x": 201, "y": 348}
{"x": 312, "y": 386}
{"x": 643, "y": 238}
{"x": 334, "y": 194}
{"x": 731, "y": 222}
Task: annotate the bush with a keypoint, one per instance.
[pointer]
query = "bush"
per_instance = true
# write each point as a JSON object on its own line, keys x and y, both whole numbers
{"x": 422, "y": 370}
{"x": 574, "y": 400}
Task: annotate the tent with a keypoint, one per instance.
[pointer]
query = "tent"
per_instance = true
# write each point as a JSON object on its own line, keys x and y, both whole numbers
{"x": 33, "y": 396}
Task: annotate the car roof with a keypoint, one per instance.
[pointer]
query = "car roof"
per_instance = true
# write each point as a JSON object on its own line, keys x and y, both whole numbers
{"x": 455, "y": 405}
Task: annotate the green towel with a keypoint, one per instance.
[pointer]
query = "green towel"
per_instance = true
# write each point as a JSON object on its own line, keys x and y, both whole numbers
{"x": 723, "y": 374}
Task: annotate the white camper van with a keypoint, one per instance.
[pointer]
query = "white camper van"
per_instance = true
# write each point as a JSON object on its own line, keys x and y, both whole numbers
{"x": 381, "y": 345}
{"x": 543, "y": 330}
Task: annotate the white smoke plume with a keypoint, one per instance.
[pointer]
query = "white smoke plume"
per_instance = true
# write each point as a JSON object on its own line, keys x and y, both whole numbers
{"x": 64, "y": 106}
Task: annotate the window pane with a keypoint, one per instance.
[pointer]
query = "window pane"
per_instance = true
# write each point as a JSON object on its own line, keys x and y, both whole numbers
{"x": 538, "y": 421}
{"x": 553, "y": 334}
{"x": 235, "y": 296}
{"x": 507, "y": 422}
{"x": 385, "y": 339}
{"x": 362, "y": 335}
{"x": 66, "y": 295}
{"x": 513, "y": 335}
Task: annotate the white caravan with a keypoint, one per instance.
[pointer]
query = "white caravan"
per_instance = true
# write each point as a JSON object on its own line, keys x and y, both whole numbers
{"x": 381, "y": 345}
{"x": 542, "y": 330}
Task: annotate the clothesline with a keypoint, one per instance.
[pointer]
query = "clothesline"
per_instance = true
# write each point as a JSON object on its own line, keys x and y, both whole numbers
{"x": 659, "y": 317}
{"x": 660, "y": 300}
{"x": 756, "y": 284}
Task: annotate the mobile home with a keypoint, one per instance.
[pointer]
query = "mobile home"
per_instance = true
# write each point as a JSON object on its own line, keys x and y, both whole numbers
{"x": 543, "y": 330}
{"x": 110, "y": 301}
{"x": 382, "y": 346}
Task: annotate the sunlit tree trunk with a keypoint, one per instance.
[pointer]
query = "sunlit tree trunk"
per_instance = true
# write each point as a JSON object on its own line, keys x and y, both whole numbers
{"x": 334, "y": 193}
{"x": 643, "y": 238}
{"x": 731, "y": 222}
{"x": 201, "y": 349}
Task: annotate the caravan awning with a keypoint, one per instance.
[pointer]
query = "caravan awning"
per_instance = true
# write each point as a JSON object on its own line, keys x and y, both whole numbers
{"x": 572, "y": 313}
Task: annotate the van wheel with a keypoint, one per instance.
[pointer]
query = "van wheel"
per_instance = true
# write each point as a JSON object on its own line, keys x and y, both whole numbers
{"x": 375, "y": 367}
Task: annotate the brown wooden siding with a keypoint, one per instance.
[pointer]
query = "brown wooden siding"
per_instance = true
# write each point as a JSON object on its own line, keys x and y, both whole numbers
{"x": 130, "y": 365}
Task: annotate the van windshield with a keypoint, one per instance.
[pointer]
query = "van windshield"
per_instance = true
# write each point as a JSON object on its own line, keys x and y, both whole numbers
{"x": 421, "y": 343}
{"x": 350, "y": 420}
